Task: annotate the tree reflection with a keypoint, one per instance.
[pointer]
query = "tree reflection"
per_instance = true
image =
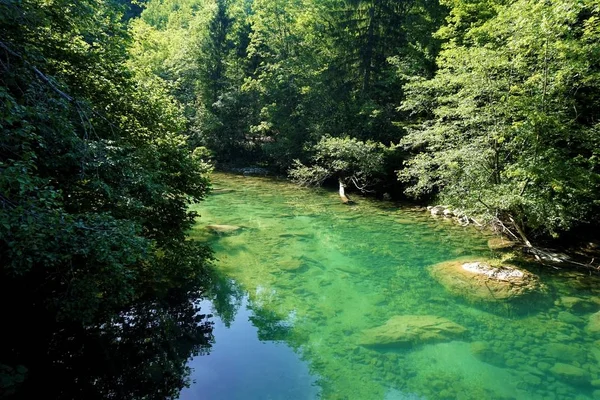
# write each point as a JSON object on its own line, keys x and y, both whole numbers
{"x": 271, "y": 327}
{"x": 141, "y": 354}
{"x": 226, "y": 297}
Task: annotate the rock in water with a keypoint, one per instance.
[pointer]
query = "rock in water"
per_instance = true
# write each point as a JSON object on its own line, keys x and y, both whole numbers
{"x": 500, "y": 243}
{"x": 437, "y": 210}
{"x": 577, "y": 305}
{"x": 479, "y": 281}
{"x": 484, "y": 352}
{"x": 405, "y": 330}
{"x": 593, "y": 325}
{"x": 570, "y": 373}
{"x": 222, "y": 229}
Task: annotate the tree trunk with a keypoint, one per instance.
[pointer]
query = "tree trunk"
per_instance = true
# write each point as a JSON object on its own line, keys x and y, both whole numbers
{"x": 343, "y": 196}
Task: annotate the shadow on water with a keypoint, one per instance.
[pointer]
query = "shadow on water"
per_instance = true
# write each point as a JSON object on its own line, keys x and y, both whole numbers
{"x": 141, "y": 354}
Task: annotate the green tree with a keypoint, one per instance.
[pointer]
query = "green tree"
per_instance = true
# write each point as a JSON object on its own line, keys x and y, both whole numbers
{"x": 371, "y": 39}
{"x": 352, "y": 162}
{"x": 509, "y": 125}
{"x": 280, "y": 41}
{"x": 95, "y": 179}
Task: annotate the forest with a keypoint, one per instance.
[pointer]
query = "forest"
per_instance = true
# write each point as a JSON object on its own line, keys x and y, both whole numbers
{"x": 490, "y": 107}
{"x": 114, "y": 113}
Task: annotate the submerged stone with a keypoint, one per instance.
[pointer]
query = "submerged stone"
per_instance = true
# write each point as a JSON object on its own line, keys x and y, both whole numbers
{"x": 569, "y": 318}
{"x": 500, "y": 243}
{"x": 576, "y": 304}
{"x": 222, "y": 229}
{"x": 532, "y": 379}
{"x": 480, "y": 281}
{"x": 565, "y": 352}
{"x": 570, "y": 373}
{"x": 484, "y": 352}
{"x": 463, "y": 375}
{"x": 290, "y": 264}
{"x": 410, "y": 329}
{"x": 593, "y": 325}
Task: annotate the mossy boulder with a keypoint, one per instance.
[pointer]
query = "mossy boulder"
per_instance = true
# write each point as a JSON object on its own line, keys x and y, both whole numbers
{"x": 570, "y": 373}
{"x": 406, "y": 330}
{"x": 479, "y": 280}
{"x": 223, "y": 229}
{"x": 593, "y": 325}
{"x": 485, "y": 352}
{"x": 500, "y": 243}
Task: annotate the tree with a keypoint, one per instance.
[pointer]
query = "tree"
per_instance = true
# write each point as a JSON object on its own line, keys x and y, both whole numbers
{"x": 350, "y": 161}
{"x": 95, "y": 180}
{"x": 371, "y": 39}
{"x": 509, "y": 124}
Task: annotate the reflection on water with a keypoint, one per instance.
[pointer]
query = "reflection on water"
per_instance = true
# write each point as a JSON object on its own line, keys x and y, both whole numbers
{"x": 248, "y": 363}
{"x": 309, "y": 276}
{"x": 142, "y": 354}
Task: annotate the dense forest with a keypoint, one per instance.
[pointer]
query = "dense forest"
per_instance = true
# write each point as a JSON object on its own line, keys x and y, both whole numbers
{"x": 490, "y": 107}
{"x": 115, "y": 112}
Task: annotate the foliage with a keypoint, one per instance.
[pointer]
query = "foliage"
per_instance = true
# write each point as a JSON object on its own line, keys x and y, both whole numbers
{"x": 199, "y": 48}
{"x": 350, "y": 160}
{"x": 95, "y": 180}
{"x": 263, "y": 80}
{"x": 510, "y": 123}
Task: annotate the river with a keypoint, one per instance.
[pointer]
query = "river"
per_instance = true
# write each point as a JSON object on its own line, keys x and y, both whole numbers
{"x": 306, "y": 276}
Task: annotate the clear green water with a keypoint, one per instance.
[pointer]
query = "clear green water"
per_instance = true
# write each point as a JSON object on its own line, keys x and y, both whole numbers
{"x": 307, "y": 274}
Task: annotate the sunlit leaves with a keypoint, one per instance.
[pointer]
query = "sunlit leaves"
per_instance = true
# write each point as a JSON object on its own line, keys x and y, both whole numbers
{"x": 510, "y": 126}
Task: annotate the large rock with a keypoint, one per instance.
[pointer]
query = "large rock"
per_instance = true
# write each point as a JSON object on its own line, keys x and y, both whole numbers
{"x": 593, "y": 325}
{"x": 570, "y": 373}
{"x": 565, "y": 352}
{"x": 577, "y": 304}
{"x": 411, "y": 329}
{"x": 480, "y": 281}
{"x": 222, "y": 229}
{"x": 484, "y": 352}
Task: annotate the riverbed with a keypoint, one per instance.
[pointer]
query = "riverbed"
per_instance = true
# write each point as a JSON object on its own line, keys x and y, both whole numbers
{"x": 305, "y": 276}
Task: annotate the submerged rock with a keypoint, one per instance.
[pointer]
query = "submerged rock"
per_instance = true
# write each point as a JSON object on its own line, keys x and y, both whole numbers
{"x": 480, "y": 281}
{"x": 410, "y": 329}
{"x": 576, "y": 304}
{"x": 569, "y": 318}
{"x": 565, "y": 352}
{"x": 593, "y": 325}
{"x": 484, "y": 352}
{"x": 570, "y": 373}
{"x": 222, "y": 229}
{"x": 500, "y": 243}
{"x": 290, "y": 264}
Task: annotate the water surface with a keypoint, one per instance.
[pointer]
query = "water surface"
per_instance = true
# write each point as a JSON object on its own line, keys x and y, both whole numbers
{"x": 306, "y": 275}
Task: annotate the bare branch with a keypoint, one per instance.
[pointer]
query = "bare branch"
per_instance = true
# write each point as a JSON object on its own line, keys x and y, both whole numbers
{"x": 52, "y": 85}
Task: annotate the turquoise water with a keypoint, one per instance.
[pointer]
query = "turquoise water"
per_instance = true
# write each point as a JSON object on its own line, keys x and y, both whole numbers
{"x": 305, "y": 277}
